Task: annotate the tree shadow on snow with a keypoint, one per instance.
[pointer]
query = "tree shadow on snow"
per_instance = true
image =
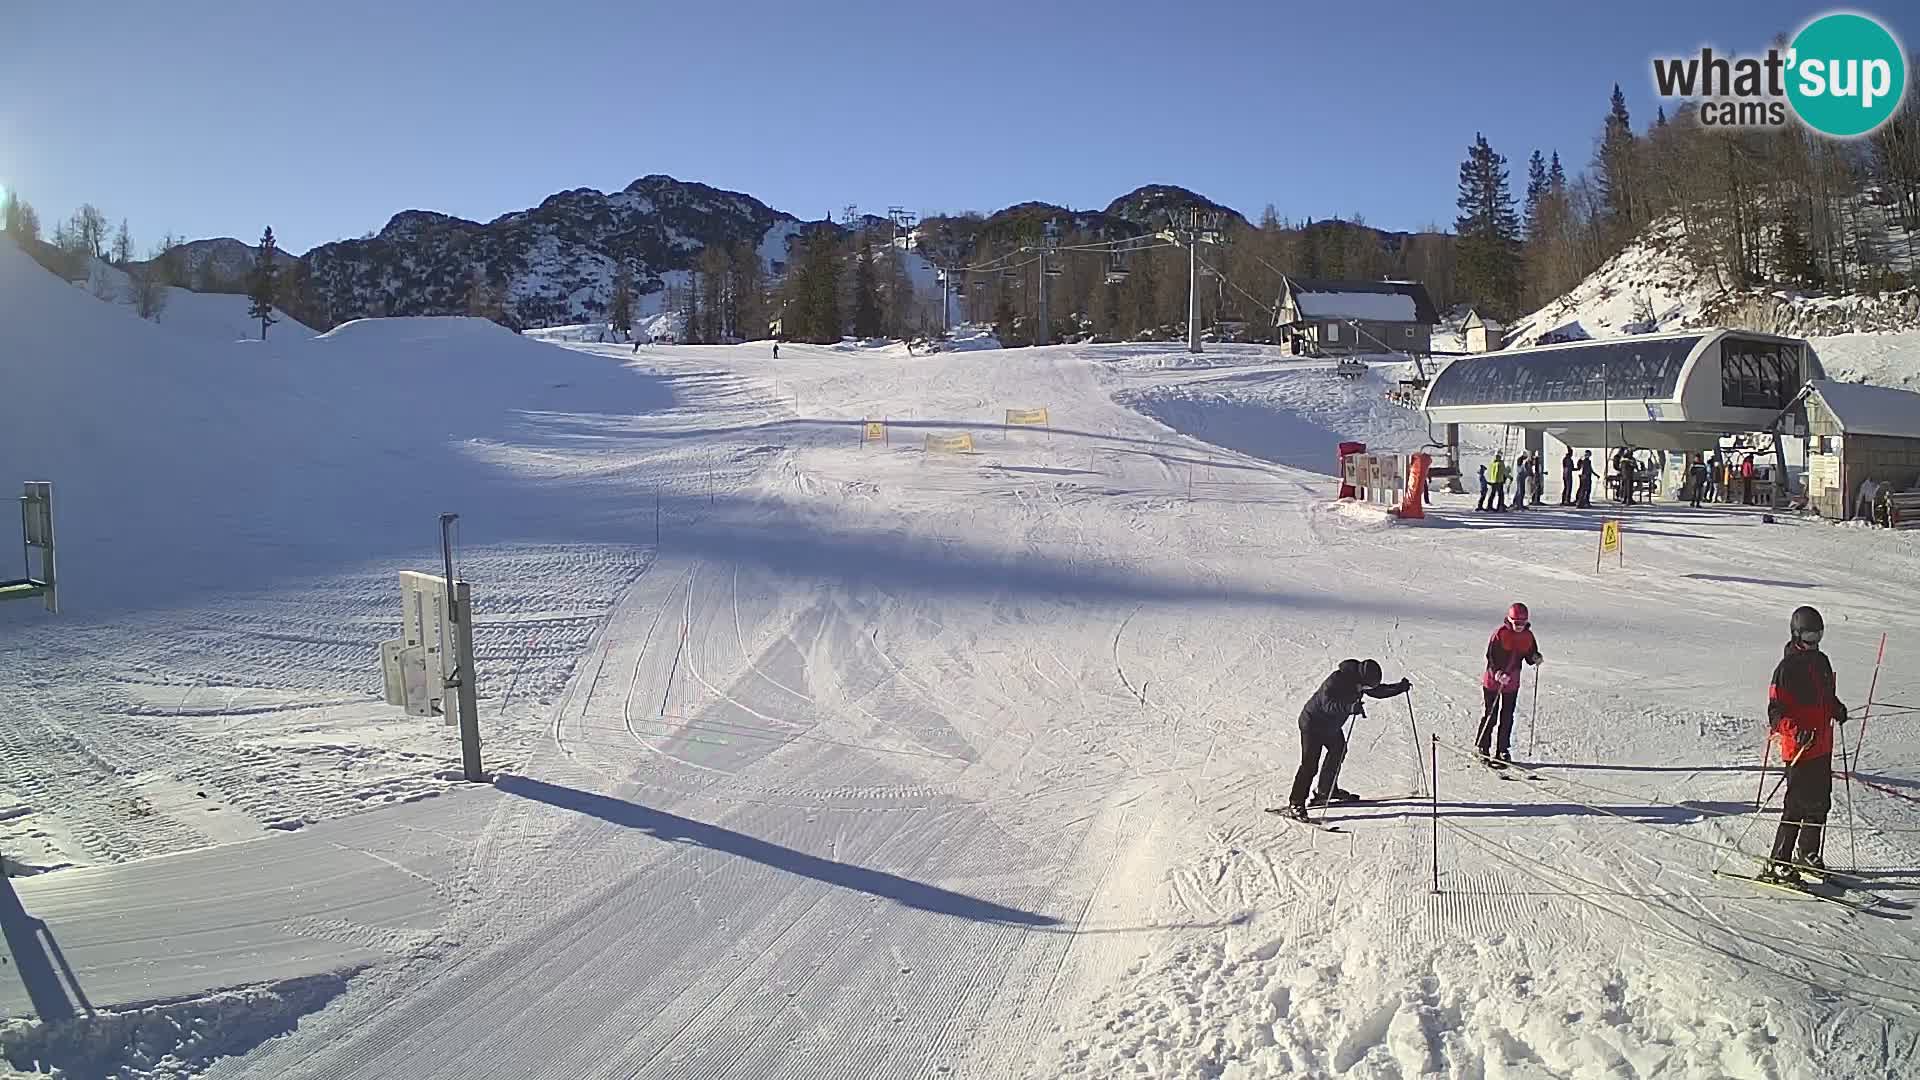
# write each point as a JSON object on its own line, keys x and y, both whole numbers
{"x": 675, "y": 829}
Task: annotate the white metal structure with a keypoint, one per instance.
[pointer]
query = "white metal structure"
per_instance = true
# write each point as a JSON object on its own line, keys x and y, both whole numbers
{"x": 419, "y": 664}
{"x": 36, "y": 531}
{"x": 1678, "y": 391}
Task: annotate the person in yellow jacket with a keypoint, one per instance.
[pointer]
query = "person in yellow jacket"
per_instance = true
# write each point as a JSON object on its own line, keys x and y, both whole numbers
{"x": 1497, "y": 476}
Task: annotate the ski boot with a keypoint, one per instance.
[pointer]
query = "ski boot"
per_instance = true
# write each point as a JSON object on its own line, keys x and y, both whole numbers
{"x": 1779, "y": 873}
{"x": 1342, "y": 795}
{"x": 1504, "y": 757}
{"x": 1295, "y": 811}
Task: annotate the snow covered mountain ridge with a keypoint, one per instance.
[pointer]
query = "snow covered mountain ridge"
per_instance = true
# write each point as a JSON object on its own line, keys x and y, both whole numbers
{"x": 555, "y": 263}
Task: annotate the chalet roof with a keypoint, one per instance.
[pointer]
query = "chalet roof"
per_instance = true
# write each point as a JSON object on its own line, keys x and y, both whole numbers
{"x": 1361, "y": 296}
{"x": 1862, "y": 409}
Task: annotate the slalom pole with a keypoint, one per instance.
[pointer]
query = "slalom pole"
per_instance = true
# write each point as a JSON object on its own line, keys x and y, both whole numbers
{"x": 1866, "y": 715}
{"x": 1436, "y": 814}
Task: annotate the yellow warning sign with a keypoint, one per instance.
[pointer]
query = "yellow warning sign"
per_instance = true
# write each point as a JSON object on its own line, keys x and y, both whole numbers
{"x": 874, "y": 431}
{"x": 1609, "y": 543}
{"x": 1027, "y": 417}
{"x": 950, "y": 444}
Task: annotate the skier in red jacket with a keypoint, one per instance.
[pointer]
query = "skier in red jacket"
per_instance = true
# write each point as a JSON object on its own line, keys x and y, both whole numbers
{"x": 1508, "y": 648}
{"x": 1801, "y": 711}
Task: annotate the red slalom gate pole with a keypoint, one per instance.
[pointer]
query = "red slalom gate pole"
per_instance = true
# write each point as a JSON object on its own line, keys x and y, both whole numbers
{"x": 1867, "y": 714}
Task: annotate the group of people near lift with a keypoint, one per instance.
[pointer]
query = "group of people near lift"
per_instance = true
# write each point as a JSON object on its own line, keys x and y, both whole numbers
{"x": 1707, "y": 477}
{"x": 1802, "y": 709}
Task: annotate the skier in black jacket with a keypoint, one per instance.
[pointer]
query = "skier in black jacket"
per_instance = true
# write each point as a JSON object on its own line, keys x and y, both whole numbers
{"x": 1323, "y": 729}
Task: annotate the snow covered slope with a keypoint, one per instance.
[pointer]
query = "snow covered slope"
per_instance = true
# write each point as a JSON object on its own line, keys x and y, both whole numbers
{"x": 878, "y": 760}
{"x": 201, "y": 316}
{"x": 1652, "y": 281}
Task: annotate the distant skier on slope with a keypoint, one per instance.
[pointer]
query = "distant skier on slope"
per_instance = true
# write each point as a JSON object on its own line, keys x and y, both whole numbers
{"x": 1323, "y": 724}
{"x": 1801, "y": 711}
{"x": 1509, "y": 647}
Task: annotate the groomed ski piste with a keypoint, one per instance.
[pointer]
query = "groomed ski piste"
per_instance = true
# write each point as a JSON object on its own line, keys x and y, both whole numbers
{"x": 819, "y": 757}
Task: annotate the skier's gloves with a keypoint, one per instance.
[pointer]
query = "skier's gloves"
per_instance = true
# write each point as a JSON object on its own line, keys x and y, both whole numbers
{"x": 1406, "y": 684}
{"x": 1503, "y": 680}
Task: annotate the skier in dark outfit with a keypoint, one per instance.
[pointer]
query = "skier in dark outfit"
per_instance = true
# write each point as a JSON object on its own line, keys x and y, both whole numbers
{"x": 1323, "y": 729}
{"x": 1509, "y": 647}
{"x": 1801, "y": 710}
{"x": 1566, "y": 478}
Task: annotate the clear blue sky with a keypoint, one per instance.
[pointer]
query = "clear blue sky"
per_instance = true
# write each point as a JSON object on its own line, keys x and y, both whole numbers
{"x": 324, "y": 119}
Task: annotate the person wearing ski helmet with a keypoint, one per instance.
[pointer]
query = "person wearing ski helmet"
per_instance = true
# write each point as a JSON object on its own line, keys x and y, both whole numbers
{"x": 1801, "y": 712}
{"x": 1323, "y": 737}
{"x": 1510, "y": 646}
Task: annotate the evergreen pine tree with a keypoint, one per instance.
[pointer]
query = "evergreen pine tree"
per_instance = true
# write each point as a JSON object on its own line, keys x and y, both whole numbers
{"x": 622, "y": 315}
{"x": 750, "y": 293}
{"x": 866, "y": 293}
{"x": 1556, "y": 176}
{"x": 714, "y": 273}
{"x": 265, "y": 290}
{"x": 1309, "y": 250}
{"x": 690, "y": 332}
{"x": 1489, "y": 231}
{"x": 826, "y": 311}
{"x": 1615, "y": 180}
{"x": 1536, "y": 189}
{"x": 1792, "y": 255}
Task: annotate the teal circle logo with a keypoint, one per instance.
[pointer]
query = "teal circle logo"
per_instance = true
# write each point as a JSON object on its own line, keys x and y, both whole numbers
{"x": 1846, "y": 75}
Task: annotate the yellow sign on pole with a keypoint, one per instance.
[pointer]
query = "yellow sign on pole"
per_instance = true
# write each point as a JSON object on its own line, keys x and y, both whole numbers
{"x": 1029, "y": 418}
{"x": 874, "y": 431}
{"x": 950, "y": 444}
{"x": 1609, "y": 543}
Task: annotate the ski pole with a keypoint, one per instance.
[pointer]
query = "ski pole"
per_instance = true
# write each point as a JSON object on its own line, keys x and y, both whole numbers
{"x": 1853, "y": 832}
{"x": 1766, "y": 755}
{"x": 1785, "y": 772}
{"x": 1533, "y": 712}
{"x": 1413, "y": 727}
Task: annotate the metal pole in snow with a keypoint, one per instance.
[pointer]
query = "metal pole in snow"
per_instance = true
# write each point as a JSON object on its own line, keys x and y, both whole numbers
{"x": 1435, "y": 751}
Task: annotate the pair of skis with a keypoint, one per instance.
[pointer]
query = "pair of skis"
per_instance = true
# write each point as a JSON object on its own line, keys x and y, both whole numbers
{"x": 1825, "y": 878}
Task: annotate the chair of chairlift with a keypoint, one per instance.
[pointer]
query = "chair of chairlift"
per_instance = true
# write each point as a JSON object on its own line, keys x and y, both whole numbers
{"x": 1055, "y": 270}
{"x": 1116, "y": 276}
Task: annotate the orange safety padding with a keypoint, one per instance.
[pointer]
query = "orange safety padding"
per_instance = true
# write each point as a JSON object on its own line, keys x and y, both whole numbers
{"x": 1417, "y": 466}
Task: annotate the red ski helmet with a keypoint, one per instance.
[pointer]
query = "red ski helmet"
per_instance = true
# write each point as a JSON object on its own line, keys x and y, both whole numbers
{"x": 1517, "y": 616}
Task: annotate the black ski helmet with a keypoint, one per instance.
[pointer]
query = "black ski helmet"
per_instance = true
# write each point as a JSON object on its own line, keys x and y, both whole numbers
{"x": 1369, "y": 673}
{"x": 1807, "y": 625}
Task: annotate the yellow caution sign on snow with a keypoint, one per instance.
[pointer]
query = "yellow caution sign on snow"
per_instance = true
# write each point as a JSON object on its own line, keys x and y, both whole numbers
{"x": 1609, "y": 543}
{"x": 874, "y": 431}
{"x": 1026, "y": 418}
{"x": 950, "y": 444}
